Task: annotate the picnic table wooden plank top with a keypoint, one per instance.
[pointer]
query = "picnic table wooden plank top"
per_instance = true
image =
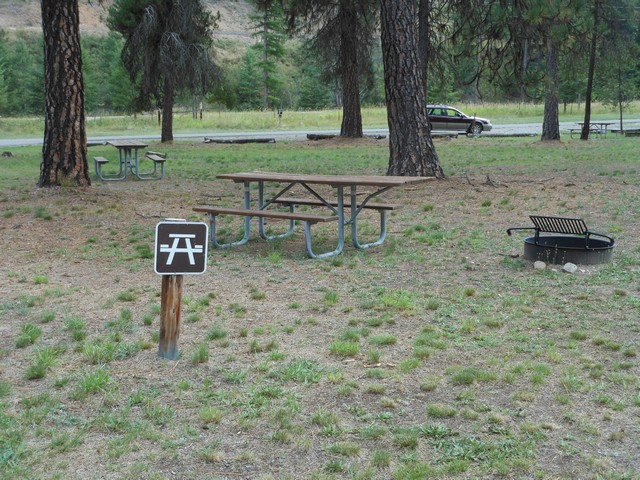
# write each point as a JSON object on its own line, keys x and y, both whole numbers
{"x": 344, "y": 180}
{"x": 127, "y": 144}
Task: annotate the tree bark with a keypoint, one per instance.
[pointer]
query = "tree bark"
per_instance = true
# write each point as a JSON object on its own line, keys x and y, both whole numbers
{"x": 350, "y": 73}
{"x": 551, "y": 124}
{"x": 167, "y": 112}
{"x": 620, "y": 98}
{"x": 412, "y": 152}
{"x": 524, "y": 68}
{"x": 265, "y": 58}
{"x": 424, "y": 43}
{"x": 586, "y": 126}
{"x": 64, "y": 149}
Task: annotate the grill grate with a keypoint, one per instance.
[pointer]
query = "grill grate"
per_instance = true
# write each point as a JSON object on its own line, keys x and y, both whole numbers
{"x": 562, "y": 225}
{"x": 569, "y": 226}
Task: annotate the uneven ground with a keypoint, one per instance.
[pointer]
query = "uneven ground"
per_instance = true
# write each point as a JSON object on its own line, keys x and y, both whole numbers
{"x": 438, "y": 355}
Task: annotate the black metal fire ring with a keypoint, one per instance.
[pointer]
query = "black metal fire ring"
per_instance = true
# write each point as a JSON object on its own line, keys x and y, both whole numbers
{"x": 559, "y": 250}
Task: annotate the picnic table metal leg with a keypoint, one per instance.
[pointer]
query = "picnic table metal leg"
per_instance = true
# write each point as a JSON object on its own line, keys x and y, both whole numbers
{"x": 261, "y": 230}
{"x": 381, "y": 238}
{"x": 354, "y": 222}
{"x": 134, "y": 160}
{"x": 149, "y": 174}
{"x": 213, "y": 233}
{"x": 98, "y": 169}
{"x": 247, "y": 224}
{"x": 124, "y": 161}
{"x": 109, "y": 176}
{"x": 133, "y": 167}
{"x": 340, "y": 247}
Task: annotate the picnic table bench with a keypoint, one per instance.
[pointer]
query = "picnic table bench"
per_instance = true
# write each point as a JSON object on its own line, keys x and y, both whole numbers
{"x": 158, "y": 159}
{"x": 293, "y": 201}
{"x": 248, "y": 213}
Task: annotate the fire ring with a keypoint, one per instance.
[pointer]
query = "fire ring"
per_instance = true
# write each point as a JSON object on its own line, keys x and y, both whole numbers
{"x": 559, "y": 250}
{"x": 576, "y": 244}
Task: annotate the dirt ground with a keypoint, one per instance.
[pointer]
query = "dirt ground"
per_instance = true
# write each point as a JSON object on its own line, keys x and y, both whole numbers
{"x": 82, "y": 261}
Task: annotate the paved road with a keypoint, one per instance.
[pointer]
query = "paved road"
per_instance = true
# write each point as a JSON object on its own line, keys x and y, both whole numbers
{"x": 498, "y": 130}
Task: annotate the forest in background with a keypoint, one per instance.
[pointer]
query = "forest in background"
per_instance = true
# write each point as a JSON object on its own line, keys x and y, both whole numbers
{"x": 298, "y": 80}
{"x": 297, "y": 84}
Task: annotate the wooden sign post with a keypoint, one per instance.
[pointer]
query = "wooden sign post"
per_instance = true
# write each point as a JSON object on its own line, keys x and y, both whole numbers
{"x": 181, "y": 248}
{"x": 170, "y": 303}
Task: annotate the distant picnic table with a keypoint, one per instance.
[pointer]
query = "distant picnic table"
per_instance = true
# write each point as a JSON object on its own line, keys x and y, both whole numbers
{"x": 597, "y": 128}
{"x": 129, "y": 162}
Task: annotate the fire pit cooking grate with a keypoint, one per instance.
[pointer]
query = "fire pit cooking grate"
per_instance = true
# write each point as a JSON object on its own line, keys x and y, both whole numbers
{"x": 573, "y": 244}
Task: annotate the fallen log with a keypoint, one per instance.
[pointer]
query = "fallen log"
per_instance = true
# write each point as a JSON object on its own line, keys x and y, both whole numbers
{"x": 319, "y": 136}
{"x": 326, "y": 136}
{"x": 239, "y": 140}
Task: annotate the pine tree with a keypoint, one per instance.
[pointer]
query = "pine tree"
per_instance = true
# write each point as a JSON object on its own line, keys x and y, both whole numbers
{"x": 166, "y": 50}
{"x": 412, "y": 152}
{"x": 64, "y": 149}
{"x": 342, "y": 37}
{"x": 269, "y": 24}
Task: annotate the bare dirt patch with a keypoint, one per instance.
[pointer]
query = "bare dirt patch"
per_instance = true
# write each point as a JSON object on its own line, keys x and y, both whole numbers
{"x": 470, "y": 364}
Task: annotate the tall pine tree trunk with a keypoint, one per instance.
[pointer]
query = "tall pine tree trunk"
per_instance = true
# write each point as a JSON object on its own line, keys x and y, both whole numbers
{"x": 411, "y": 149}
{"x": 424, "y": 41}
{"x": 551, "y": 124}
{"x": 586, "y": 126}
{"x": 621, "y": 97}
{"x": 350, "y": 73}
{"x": 265, "y": 59}
{"x": 64, "y": 149}
{"x": 167, "y": 112}
{"x": 524, "y": 68}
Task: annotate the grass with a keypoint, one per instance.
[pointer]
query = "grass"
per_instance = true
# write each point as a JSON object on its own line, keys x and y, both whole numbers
{"x": 217, "y": 332}
{"x": 99, "y": 352}
{"x": 372, "y": 117}
{"x": 92, "y": 381}
{"x": 343, "y": 348}
{"x": 200, "y": 355}
{"x": 210, "y": 415}
{"x": 43, "y": 360}
{"x": 76, "y": 327}
{"x": 436, "y": 355}
{"x": 28, "y": 335}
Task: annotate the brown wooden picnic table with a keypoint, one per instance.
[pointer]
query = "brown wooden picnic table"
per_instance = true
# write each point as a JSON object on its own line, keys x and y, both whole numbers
{"x": 333, "y": 204}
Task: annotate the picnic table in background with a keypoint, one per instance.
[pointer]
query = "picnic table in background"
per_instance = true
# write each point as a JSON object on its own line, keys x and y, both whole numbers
{"x": 333, "y": 205}
{"x": 129, "y": 162}
{"x": 597, "y": 128}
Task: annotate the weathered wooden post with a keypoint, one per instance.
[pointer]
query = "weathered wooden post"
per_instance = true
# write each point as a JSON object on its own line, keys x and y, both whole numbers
{"x": 170, "y": 303}
{"x": 181, "y": 248}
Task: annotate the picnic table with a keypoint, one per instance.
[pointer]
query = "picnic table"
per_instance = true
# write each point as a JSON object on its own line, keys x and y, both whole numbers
{"x": 129, "y": 162}
{"x": 598, "y": 128}
{"x": 333, "y": 205}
